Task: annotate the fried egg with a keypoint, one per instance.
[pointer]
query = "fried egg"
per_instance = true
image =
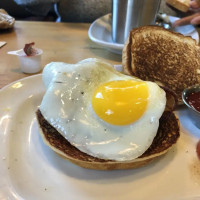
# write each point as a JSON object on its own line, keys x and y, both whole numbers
{"x": 100, "y": 111}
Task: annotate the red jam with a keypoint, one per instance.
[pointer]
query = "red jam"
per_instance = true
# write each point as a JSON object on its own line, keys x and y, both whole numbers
{"x": 198, "y": 149}
{"x": 29, "y": 50}
{"x": 193, "y": 100}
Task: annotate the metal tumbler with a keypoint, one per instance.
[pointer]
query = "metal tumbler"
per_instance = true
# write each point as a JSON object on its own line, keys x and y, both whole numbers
{"x": 129, "y": 14}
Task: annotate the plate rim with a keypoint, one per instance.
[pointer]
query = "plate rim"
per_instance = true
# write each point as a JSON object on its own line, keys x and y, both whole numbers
{"x": 116, "y": 46}
{"x": 21, "y": 79}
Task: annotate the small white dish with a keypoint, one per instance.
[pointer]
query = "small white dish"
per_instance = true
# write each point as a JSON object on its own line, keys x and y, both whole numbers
{"x": 100, "y": 33}
{"x": 29, "y": 64}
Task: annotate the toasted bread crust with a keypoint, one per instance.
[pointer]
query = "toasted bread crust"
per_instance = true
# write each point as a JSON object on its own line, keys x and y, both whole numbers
{"x": 182, "y": 5}
{"x": 167, "y": 136}
{"x": 155, "y": 54}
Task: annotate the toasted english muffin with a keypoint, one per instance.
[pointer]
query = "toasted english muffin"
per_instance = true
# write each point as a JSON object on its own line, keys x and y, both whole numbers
{"x": 167, "y": 136}
{"x": 170, "y": 59}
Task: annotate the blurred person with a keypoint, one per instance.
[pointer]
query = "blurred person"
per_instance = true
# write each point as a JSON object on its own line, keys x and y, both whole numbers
{"x": 83, "y": 10}
{"x": 78, "y": 10}
{"x": 37, "y": 7}
{"x": 69, "y": 10}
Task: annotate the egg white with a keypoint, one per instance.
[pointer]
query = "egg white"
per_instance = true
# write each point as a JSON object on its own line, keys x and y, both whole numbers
{"x": 66, "y": 105}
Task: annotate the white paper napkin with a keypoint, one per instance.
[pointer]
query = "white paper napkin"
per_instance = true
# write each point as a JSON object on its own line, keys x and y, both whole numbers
{"x": 2, "y": 43}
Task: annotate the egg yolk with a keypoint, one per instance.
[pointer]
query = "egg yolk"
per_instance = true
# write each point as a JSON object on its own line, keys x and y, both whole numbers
{"x": 120, "y": 102}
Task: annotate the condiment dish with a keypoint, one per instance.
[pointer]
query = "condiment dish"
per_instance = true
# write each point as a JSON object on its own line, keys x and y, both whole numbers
{"x": 192, "y": 112}
{"x": 187, "y": 92}
{"x": 29, "y": 64}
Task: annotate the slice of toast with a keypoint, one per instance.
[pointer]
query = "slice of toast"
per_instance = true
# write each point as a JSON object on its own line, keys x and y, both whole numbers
{"x": 170, "y": 59}
{"x": 167, "y": 136}
{"x": 182, "y": 5}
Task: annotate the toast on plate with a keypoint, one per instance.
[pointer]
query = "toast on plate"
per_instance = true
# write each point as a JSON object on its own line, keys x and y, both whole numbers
{"x": 182, "y": 5}
{"x": 168, "y": 58}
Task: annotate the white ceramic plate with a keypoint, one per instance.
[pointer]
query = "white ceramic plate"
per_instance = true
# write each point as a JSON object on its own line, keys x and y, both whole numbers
{"x": 30, "y": 170}
{"x": 100, "y": 33}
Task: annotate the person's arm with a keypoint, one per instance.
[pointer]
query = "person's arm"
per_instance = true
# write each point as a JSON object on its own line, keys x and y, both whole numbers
{"x": 192, "y": 19}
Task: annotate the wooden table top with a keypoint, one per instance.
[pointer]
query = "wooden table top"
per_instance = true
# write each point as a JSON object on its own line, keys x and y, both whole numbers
{"x": 62, "y": 42}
